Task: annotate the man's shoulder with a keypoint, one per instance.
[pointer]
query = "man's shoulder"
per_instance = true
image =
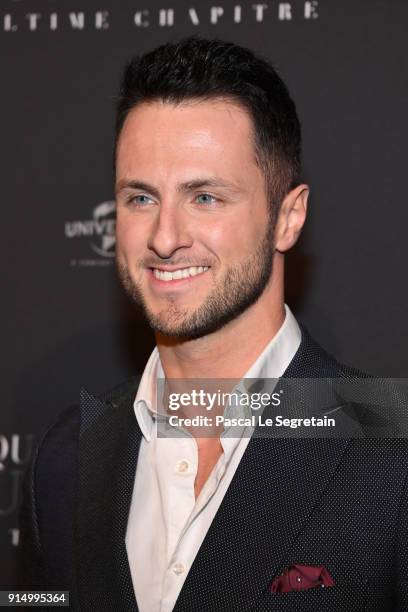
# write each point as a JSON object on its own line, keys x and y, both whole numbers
{"x": 55, "y": 460}
{"x": 116, "y": 395}
{"x": 313, "y": 361}
{"x": 66, "y": 428}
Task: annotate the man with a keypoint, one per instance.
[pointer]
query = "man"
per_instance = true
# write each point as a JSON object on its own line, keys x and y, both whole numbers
{"x": 209, "y": 199}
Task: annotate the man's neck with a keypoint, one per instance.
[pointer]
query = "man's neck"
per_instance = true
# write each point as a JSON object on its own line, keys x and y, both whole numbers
{"x": 227, "y": 353}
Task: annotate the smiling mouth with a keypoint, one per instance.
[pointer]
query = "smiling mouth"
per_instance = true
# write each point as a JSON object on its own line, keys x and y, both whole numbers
{"x": 166, "y": 275}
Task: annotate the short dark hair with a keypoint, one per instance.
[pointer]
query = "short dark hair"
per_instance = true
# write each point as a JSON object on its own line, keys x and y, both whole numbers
{"x": 202, "y": 69}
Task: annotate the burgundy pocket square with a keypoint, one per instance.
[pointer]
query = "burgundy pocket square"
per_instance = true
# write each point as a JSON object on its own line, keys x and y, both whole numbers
{"x": 300, "y": 578}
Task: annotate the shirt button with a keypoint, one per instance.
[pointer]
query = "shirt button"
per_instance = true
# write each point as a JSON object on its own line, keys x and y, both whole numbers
{"x": 182, "y": 466}
{"x": 179, "y": 568}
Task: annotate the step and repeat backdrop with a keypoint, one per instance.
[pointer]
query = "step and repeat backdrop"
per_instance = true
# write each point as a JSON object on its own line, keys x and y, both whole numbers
{"x": 66, "y": 322}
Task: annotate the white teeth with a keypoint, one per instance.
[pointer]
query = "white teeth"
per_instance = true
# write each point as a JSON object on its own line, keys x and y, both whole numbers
{"x": 165, "y": 275}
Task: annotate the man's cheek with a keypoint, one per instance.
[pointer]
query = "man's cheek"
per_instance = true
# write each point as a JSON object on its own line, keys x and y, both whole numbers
{"x": 215, "y": 240}
{"x": 127, "y": 240}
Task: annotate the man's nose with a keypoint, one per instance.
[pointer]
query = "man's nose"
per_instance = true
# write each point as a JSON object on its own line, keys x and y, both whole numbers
{"x": 169, "y": 232}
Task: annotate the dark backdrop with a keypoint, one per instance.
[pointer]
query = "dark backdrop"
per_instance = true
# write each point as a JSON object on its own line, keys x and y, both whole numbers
{"x": 66, "y": 322}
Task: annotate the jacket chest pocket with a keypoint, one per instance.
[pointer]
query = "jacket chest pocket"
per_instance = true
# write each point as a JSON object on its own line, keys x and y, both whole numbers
{"x": 347, "y": 596}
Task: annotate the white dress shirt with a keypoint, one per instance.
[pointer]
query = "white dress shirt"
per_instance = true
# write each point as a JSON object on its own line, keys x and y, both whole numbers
{"x": 167, "y": 524}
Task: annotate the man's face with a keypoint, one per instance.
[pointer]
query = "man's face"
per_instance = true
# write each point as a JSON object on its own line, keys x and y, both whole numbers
{"x": 194, "y": 230}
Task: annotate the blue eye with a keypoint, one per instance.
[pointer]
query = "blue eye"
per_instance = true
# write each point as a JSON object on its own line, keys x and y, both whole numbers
{"x": 141, "y": 199}
{"x": 205, "y": 198}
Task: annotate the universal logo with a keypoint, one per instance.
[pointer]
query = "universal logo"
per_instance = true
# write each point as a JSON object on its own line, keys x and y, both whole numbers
{"x": 98, "y": 233}
{"x": 102, "y": 20}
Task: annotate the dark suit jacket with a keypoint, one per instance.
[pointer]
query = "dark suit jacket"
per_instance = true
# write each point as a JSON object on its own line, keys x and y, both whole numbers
{"x": 341, "y": 503}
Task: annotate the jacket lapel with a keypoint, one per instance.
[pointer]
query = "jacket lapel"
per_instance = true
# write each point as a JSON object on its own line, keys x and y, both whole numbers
{"x": 274, "y": 490}
{"x": 108, "y": 449}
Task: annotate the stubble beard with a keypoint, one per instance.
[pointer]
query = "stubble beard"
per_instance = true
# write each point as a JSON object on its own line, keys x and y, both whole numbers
{"x": 240, "y": 287}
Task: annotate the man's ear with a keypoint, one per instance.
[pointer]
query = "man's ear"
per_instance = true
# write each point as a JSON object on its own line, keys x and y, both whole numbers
{"x": 291, "y": 218}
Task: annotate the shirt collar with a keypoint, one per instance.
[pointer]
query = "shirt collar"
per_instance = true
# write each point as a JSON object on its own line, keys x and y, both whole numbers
{"x": 271, "y": 363}
{"x": 278, "y": 353}
{"x": 146, "y": 395}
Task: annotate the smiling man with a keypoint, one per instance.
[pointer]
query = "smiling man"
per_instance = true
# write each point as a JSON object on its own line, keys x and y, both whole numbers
{"x": 195, "y": 230}
{"x": 209, "y": 199}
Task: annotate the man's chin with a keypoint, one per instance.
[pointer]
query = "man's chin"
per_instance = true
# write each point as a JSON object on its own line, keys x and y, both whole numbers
{"x": 180, "y": 333}
{"x": 185, "y": 327}
{"x": 178, "y": 326}
{"x": 172, "y": 325}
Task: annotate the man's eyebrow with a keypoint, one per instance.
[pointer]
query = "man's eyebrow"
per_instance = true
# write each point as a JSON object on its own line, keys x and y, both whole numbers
{"x": 186, "y": 187}
{"x": 201, "y": 183}
{"x": 140, "y": 185}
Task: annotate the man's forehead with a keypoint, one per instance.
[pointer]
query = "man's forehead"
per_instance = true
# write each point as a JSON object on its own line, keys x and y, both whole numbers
{"x": 215, "y": 132}
{"x": 203, "y": 114}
